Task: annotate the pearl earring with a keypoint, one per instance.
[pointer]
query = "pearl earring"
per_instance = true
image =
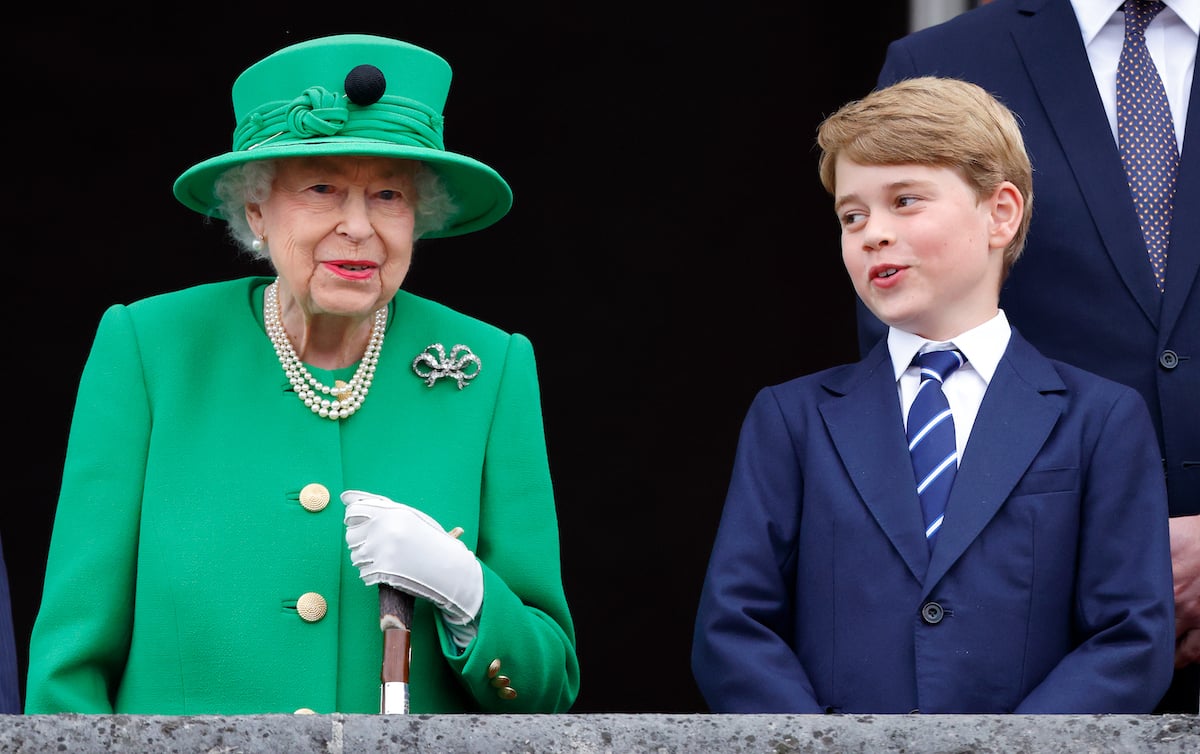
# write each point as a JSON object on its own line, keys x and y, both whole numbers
{"x": 257, "y": 244}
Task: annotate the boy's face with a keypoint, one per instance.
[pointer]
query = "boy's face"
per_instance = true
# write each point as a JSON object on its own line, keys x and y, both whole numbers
{"x": 924, "y": 255}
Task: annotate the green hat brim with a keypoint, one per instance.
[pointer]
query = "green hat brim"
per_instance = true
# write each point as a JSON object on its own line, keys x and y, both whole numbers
{"x": 482, "y": 196}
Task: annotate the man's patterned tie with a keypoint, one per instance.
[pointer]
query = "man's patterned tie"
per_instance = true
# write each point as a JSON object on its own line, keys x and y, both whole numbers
{"x": 1146, "y": 135}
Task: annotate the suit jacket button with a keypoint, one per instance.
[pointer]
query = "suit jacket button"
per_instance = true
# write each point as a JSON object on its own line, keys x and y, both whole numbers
{"x": 507, "y": 693}
{"x": 312, "y": 607}
{"x": 304, "y": 711}
{"x": 1168, "y": 359}
{"x": 493, "y": 668}
{"x": 932, "y": 613}
{"x": 314, "y": 497}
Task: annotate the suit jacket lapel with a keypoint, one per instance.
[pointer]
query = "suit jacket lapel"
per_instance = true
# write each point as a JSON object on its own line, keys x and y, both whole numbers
{"x": 1183, "y": 255}
{"x": 1013, "y": 423}
{"x": 867, "y": 429}
{"x": 1049, "y": 42}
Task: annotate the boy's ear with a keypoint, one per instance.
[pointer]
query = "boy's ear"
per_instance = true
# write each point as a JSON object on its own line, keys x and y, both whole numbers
{"x": 1007, "y": 211}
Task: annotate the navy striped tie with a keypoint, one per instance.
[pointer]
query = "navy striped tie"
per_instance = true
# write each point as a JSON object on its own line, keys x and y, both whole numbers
{"x": 931, "y": 437}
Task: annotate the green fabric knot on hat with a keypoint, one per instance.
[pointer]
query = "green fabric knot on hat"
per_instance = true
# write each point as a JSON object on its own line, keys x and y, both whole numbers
{"x": 317, "y": 112}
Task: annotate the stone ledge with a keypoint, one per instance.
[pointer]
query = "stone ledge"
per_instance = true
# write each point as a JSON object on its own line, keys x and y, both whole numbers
{"x": 599, "y": 733}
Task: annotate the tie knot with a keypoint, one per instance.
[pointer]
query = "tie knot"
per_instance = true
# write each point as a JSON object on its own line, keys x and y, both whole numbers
{"x": 1139, "y": 14}
{"x": 939, "y": 364}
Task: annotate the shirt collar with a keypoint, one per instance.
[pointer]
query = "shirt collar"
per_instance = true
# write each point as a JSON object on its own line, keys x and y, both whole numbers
{"x": 983, "y": 346}
{"x": 1188, "y": 11}
{"x": 1093, "y": 14}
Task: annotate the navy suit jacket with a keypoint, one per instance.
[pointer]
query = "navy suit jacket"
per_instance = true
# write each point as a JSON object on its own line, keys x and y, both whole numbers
{"x": 1083, "y": 292}
{"x": 1049, "y": 589}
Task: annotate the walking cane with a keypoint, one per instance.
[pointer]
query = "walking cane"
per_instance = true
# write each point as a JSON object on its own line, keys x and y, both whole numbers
{"x": 395, "y": 617}
{"x": 395, "y": 621}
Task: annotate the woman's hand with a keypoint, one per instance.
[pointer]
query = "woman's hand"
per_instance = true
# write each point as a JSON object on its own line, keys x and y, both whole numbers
{"x": 395, "y": 544}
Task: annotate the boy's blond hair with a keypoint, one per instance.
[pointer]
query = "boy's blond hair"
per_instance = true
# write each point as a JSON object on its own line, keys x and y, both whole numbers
{"x": 938, "y": 122}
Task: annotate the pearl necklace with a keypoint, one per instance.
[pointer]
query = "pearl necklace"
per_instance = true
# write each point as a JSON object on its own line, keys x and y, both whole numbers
{"x": 347, "y": 397}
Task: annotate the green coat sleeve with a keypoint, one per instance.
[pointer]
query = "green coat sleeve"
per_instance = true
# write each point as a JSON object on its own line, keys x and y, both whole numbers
{"x": 525, "y": 629}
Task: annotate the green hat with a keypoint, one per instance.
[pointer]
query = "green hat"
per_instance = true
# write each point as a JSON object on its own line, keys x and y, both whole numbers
{"x": 351, "y": 94}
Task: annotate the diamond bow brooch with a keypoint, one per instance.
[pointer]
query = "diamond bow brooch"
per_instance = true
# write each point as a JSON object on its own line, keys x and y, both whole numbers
{"x": 432, "y": 364}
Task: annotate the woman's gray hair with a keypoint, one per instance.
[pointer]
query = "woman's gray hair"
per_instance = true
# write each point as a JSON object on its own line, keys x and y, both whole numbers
{"x": 250, "y": 182}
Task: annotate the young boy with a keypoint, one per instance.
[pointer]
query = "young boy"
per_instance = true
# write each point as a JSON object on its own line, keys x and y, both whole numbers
{"x": 1042, "y": 583}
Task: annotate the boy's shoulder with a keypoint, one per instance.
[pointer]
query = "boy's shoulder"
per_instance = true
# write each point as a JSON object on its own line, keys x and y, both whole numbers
{"x": 1042, "y": 372}
{"x": 835, "y": 380}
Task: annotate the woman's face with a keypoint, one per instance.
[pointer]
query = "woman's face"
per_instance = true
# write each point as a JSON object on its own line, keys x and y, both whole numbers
{"x": 339, "y": 231}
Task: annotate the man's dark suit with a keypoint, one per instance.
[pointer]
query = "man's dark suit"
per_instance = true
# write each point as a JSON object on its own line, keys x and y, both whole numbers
{"x": 1084, "y": 292}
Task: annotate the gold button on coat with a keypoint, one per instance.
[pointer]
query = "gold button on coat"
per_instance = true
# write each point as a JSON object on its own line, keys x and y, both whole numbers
{"x": 507, "y": 693}
{"x": 312, "y": 607}
{"x": 304, "y": 711}
{"x": 314, "y": 497}
{"x": 494, "y": 668}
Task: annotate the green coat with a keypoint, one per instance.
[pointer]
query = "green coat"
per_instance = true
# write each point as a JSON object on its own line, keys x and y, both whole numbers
{"x": 180, "y": 549}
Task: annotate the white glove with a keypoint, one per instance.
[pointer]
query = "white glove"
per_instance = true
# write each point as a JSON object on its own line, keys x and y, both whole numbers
{"x": 392, "y": 543}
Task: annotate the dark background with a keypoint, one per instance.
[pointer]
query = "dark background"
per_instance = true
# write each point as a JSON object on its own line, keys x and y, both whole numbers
{"x": 670, "y": 251}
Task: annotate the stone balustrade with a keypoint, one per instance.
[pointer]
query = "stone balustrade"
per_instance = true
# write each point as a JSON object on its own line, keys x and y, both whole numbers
{"x": 599, "y": 733}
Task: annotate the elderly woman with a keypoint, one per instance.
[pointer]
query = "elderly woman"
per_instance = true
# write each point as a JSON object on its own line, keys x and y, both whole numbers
{"x": 249, "y": 459}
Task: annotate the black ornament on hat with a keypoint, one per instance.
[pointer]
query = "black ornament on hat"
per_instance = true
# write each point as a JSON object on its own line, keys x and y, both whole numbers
{"x": 365, "y": 84}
